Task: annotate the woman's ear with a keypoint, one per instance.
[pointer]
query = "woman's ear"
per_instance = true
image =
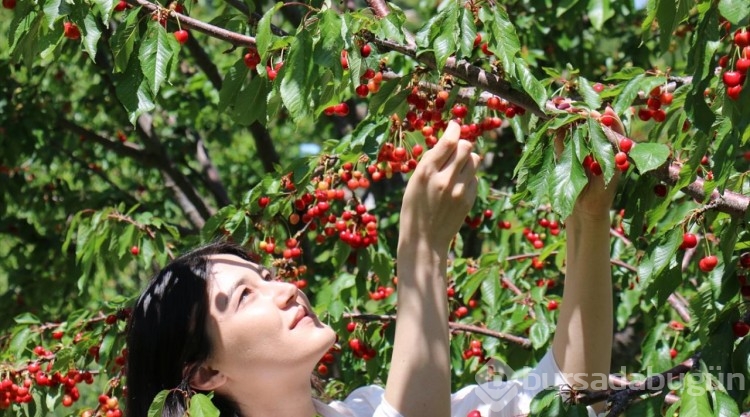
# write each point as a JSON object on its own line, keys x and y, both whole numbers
{"x": 205, "y": 378}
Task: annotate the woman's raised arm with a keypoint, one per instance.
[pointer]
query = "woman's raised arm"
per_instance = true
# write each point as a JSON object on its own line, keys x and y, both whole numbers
{"x": 437, "y": 198}
{"x": 583, "y": 340}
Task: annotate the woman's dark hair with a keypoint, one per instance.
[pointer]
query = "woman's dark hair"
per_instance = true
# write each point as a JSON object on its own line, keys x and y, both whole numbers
{"x": 167, "y": 333}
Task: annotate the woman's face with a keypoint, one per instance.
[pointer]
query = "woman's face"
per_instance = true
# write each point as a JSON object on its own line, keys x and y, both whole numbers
{"x": 260, "y": 329}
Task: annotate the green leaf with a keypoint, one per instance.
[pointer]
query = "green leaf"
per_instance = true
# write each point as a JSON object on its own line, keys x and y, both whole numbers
{"x": 567, "y": 182}
{"x": 590, "y": 97}
{"x": 155, "y": 54}
{"x": 661, "y": 255}
{"x": 444, "y": 35}
{"x": 701, "y": 60}
{"x": 297, "y": 80}
{"x": 19, "y": 341}
{"x": 391, "y": 27}
{"x": 735, "y": 11}
{"x": 530, "y": 84}
{"x": 26, "y": 318}
{"x": 53, "y": 10}
{"x": 599, "y": 11}
{"x": 157, "y": 405}
{"x": 133, "y": 91}
{"x": 649, "y": 156}
{"x": 123, "y": 41}
{"x": 504, "y": 40}
{"x": 232, "y": 84}
{"x": 250, "y": 105}
{"x": 91, "y": 35}
{"x": 640, "y": 83}
{"x": 105, "y": 8}
{"x": 201, "y": 406}
{"x": 693, "y": 397}
{"x": 264, "y": 36}
{"x": 468, "y": 33}
{"x": 327, "y": 52}
{"x": 547, "y": 402}
{"x": 602, "y": 149}
{"x": 539, "y": 334}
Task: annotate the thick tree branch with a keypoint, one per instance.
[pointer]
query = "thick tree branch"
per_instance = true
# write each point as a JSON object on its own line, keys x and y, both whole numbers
{"x": 729, "y": 202}
{"x": 127, "y": 149}
{"x": 234, "y": 38}
{"x": 264, "y": 144}
{"x": 521, "y": 341}
{"x": 211, "y": 175}
{"x": 204, "y": 62}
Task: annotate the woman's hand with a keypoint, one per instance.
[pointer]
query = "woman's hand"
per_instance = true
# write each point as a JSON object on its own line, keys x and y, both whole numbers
{"x": 595, "y": 200}
{"x": 440, "y": 192}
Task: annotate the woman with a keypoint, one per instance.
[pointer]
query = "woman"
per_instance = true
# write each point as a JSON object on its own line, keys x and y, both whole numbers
{"x": 213, "y": 320}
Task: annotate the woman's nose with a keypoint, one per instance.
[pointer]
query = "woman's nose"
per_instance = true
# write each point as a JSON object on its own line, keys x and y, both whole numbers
{"x": 285, "y": 293}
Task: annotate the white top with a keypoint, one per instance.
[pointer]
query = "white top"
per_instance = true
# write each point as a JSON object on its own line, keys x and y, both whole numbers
{"x": 491, "y": 399}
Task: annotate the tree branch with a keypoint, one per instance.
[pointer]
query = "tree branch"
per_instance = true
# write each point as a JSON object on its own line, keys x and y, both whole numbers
{"x": 729, "y": 202}
{"x": 234, "y": 38}
{"x": 521, "y": 341}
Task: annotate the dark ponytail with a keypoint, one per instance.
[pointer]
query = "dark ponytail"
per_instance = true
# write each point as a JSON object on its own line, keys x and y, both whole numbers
{"x": 167, "y": 334}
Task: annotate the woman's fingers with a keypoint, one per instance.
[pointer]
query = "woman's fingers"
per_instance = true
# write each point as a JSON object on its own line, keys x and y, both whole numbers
{"x": 445, "y": 147}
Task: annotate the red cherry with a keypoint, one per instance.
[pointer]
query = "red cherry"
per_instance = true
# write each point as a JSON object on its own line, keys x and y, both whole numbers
{"x": 486, "y": 49}
{"x": 731, "y": 78}
{"x": 723, "y": 61}
{"x": 461, "y": 311}
{"x": 322, "y": 369}
{"x": 708, "y": 263}
{"x": 9, "y": 4}
{"x": 263, "y": 201}
{"x": 689, "y": 240}
{"x": 365, "y": 50}
{"x": 459, "y": 111}
{"x": 598, "y": 87}
{"x": 474, "y": 413}
{"x": 57, "y": 335}
{"x": 645, "y": 114}
{"x": 673, "y": 353}
{"x": 745, "y": 259}
{"x": 653, "y": 103}
{"x": 740, "y": 329}
{"x": 345, "y": 59}
{"x": 362, "y": 90}
{"x": 734, "y": 92}
{"x": 71, "y": 31}
{"x": 742, "y": 65}
{"x": 742, "y": 38}
{"x": 596, "y": 169}
{"x": 356, "y": 345}
{"x": 252, "y": 58}
{"x": 181, "y": 36}
{"x": 626, "y": 145}
{"x": 607, "y": 120}
{"x": 351, "y": 326}
{"x": 67, "y": 401}
{"x": 621, "y": 157}
{"x": 659, "y": 115}
{"x": 666, "y": 98}
{"x": 135, "y": 250}
{"x": 477, "y": 40}
{"x": 341, "y": 109}
{"x": 552, "y": 305}
{"x": 121, "y": 6}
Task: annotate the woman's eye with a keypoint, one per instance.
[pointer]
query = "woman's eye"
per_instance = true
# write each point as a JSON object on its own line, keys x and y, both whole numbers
{"x": 245, "y": 293}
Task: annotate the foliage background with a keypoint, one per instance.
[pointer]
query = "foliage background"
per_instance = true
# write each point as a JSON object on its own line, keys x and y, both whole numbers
{"x": 126, "y": 139}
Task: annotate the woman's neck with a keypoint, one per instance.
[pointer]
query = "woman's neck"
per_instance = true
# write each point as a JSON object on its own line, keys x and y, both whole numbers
{"x": 277, "y": 400}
